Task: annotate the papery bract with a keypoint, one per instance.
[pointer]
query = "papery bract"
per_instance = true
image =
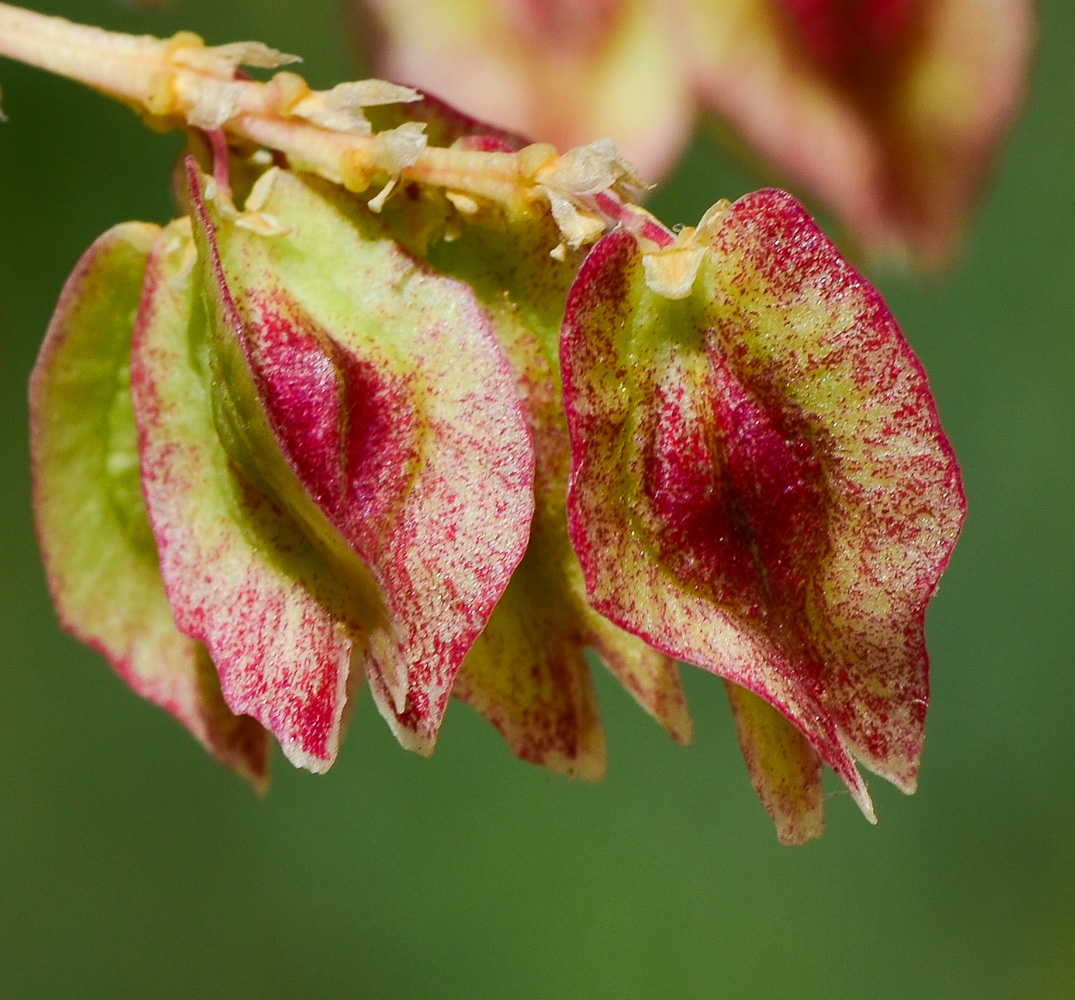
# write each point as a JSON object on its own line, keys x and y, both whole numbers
{"x": 760, "y": 485}
{"x": 527, "y": 672}
{"x": 99, "y": 552}
{"x": 370, "y": 395}
{"x": 240, "y": 576}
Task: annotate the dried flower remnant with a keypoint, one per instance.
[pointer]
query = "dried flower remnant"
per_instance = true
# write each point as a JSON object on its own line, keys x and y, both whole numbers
{"x": 890, "y": 112}
{"x": 397, "y": 416}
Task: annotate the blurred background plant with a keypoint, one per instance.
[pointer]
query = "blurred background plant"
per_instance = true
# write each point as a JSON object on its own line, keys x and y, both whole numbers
{"x": 133, "y": 866}
{"x": 887, "y": 112}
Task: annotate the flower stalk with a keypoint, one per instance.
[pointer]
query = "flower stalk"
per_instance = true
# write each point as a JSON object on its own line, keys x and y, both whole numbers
{"x": 180, "y": 82}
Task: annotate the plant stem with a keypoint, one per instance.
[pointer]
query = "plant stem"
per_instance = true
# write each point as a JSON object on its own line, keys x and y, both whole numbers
{"x": 181, "y": 83}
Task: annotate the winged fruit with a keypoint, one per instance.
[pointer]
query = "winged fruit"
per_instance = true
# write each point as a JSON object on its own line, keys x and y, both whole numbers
{"x": 441, "y": 410}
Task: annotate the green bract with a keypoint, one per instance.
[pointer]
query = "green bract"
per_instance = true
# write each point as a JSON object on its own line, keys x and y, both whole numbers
{"x": 442, "y": 410}
{"x": 100, "y": 554}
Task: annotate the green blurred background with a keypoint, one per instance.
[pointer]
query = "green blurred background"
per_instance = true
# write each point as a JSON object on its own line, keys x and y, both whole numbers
{"x": 132, "y": 866}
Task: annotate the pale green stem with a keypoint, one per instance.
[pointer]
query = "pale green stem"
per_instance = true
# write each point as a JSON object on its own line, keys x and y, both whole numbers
{"x": 179, "y": 82}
